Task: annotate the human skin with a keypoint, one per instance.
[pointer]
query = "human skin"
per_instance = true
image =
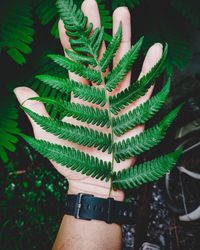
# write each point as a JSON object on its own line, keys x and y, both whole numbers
{"x": 75, "y": 233}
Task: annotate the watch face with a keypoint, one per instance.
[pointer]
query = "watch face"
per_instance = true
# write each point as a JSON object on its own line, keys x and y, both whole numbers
{"x": 149, "y": 246}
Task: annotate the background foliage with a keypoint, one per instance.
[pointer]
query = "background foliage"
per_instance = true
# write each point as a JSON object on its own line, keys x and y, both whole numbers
{"x": 31, "y": 189}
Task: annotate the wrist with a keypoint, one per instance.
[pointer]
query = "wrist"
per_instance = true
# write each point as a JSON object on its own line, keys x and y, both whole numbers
{"x": 97, "y": 192}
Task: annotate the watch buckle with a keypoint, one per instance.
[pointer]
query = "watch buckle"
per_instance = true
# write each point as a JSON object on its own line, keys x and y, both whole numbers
{"x": 79, "y": 205}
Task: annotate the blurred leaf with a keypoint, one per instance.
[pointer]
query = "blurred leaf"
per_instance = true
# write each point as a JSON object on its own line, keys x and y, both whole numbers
{"x": 16, "y": 29}
{"x": 8, "y": 127}
{"x": 190, "y": 9}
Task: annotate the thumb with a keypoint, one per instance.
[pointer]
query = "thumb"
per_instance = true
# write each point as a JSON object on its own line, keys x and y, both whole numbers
{"x": 23, "y": 94}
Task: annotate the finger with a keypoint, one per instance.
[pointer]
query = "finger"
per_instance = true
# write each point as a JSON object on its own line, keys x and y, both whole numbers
{"x": 64, "y": 39}
{"x": 91, "y": 10}
{"x": 153, "y": 55}
{"x": 23, "y": 94}
{"x": 122, "y": 14}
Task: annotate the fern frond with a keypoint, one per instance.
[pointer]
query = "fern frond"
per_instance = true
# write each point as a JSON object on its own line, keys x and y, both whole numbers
{"x": 142, "y": 113}
{"x": 82, "y": 41}
{"x": 9, "y": 129}
{"x": 87, "y": 114}
{"x": 146, "y": 140}
{"x": 16, "y": 30}
{"x": 81, "y": 58}
{"x": 145, "y": 172}
{"x": 111, "y": 50}
{"x": 139, "y": 88}
{"x": 82, "y": 91}
{"x": 81, "y": 112}
{"x": 77, "y": 68}
{"x": 61, "y": 84}
{"x": 71, "y": 158}
{"x": 46, "y": 12}
{"x": 77, "y": 134}
{"x": 72, "y": 17}
{"x": 124, "y": 65}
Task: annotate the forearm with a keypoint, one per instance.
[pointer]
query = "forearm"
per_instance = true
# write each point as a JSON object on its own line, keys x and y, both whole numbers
{"x": 82, "y": 234}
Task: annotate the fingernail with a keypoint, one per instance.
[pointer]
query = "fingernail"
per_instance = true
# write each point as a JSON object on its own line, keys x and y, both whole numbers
{"x": 158, "y": 44}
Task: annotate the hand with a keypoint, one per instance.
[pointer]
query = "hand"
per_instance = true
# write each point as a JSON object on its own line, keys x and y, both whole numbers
{"x": 77, "y": 181}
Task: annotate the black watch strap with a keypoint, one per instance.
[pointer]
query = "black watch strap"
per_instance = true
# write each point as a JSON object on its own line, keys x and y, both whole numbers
{"x": 86, "y": 206}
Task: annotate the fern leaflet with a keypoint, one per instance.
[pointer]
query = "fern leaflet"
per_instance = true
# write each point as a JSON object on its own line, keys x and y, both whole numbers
{"x": 77, "y": 134}
{"x": 124, "y": 65}
{"x": 144, "y": 141}
{"x": 139, "y": 88}
{"x": 142, "y": 113}
{"x": 79, "y": 69}
{"x": 145, "y": 172}
{"x": 82, "y": 91}
{"x": 71, "y": 158}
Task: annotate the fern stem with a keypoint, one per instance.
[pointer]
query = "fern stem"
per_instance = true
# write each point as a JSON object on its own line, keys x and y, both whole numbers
{"x": 111, "y": 121}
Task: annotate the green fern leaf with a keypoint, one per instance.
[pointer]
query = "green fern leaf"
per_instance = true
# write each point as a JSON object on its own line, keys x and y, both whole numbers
{"x": 46, "y": 12}
{"x": 111, "y": 50}
{"x": 81, "y": 58}
{"x": 72, "y": 17}
{"x": 71, "y": 158}
{"x": 81, "y": 39}
{"x": 190, "y": 9}
{"x": 82, "y": 91}
{"x": 146, "y": 140}
{"x": 87, "y": 114}
{"x": 142, "y": 113}
{"x": 77, "y": 134}
{"x": 145, "y": 172}
{"x": 139, "y": 88}
{"x": 16, "y": 30}
{"x": 77, "y": 68}
{"x": 119, "y": 72}
{"x": 9, "y": 129}
{"x": 81, "y": 112}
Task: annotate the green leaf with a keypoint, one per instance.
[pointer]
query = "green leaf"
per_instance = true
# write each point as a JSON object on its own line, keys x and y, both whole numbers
{"x": 71, "y": 158}
{"x": 72, "y": 17}
{"x": 87, "y": 114}
{"x": 142, "y": 113}
{"x": 81, "y": 58}
{"x": 139, "y": 88}
{"x": 124, "y": 65}
{"x": 111, "y": 50}
{"x": 190, "y": 9}
{"x": 146, "y": 140}
{"x": 81, "y": 40}
{"x": 79, "y": 111}
{"x": 9, "y": 129}
{"x": 82, "y": 91}
{"x": 145, "y": 172}
{"x": 77, "y": 134}
{"x": 77, "y": 68}
{"x": 16, "y": 30}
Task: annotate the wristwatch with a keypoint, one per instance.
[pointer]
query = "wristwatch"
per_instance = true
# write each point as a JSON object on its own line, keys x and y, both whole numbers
{"x": 88, "y": 207}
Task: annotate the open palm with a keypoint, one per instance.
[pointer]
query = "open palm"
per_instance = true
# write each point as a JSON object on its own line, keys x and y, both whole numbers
{"x": 77, "y": 181}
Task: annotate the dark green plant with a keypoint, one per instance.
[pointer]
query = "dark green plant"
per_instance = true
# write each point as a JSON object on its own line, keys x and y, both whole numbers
{"x": 85, "y": 53}
{"x": 16, "y": 29}
{"x": 9, "y": 129}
